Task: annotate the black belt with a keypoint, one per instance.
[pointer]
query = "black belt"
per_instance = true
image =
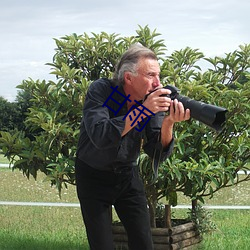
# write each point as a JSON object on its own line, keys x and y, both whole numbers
{"x": 123, "y": 170}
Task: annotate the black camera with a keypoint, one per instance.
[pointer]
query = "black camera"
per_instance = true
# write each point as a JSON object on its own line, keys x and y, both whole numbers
{"x": 211, "y": 115}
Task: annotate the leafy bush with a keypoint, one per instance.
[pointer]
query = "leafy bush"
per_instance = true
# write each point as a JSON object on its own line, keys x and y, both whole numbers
{"x": 203, "y": 161}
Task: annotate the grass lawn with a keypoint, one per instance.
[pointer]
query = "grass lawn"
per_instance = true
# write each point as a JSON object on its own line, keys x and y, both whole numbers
{"x": 45, "y": 228}
{"x": 233, "y": 231}
{"x": 61, "y": 228}
{"x": 35, "y": 228}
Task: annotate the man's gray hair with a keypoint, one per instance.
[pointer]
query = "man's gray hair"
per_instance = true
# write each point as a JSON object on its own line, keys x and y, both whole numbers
{"x": 129, "y": 61}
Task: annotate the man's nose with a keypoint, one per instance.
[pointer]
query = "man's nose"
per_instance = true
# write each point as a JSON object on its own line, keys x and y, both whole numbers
{"x": 157, "y": 82}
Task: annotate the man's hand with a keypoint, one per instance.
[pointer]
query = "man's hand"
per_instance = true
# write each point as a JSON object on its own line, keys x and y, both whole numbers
{"x": 156, "y": 103}
{"x": 177, "y": 113}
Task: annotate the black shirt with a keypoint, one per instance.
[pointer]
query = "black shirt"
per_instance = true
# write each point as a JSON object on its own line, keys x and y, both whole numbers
{"x": 101, "y": 145}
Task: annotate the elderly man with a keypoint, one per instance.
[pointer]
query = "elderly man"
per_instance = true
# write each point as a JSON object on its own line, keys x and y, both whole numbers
{"x": 117, "y": 118}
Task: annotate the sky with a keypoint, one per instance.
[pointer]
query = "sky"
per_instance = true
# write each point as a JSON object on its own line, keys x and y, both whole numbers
{"x": 28, "y": 29}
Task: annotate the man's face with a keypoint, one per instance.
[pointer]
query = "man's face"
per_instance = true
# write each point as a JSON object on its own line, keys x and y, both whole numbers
{"x": 146, "y": 80}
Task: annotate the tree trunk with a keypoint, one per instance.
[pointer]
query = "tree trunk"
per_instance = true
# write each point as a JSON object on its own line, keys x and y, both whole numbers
{"x": 168, "y": 216}
{"x": 194, "y": 205}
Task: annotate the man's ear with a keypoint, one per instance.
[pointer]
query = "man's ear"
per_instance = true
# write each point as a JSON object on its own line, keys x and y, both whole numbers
{"x": 128, "y": 78}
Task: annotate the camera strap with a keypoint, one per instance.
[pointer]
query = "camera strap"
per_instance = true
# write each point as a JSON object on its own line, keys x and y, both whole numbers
{"x": 157, "y": 157}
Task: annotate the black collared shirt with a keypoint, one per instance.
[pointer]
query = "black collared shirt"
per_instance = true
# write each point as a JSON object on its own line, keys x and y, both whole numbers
{"x": 101, "y": 145}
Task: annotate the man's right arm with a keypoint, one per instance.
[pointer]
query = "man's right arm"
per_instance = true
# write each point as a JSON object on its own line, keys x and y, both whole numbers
{"x": 103, "y": 131}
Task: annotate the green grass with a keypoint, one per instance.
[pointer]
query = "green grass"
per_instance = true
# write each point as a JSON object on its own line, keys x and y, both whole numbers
{"x": 233, "y": 231}
{"x": 35, "y": 228}
{"x": 17, "y": 187}
{"x": 54, "y": 228}
{"x": 236, "y": 195}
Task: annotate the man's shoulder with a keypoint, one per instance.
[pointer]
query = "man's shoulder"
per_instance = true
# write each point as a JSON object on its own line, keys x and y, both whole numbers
{"x": 102, "y": 88}
{"x": 102, "y": 84}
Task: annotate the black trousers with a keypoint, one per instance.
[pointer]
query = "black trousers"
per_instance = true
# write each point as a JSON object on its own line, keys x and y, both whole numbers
{"x": 98, "y": 191}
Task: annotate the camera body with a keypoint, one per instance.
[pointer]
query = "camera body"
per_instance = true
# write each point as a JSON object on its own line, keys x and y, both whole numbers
{"x": 174, "y": 92}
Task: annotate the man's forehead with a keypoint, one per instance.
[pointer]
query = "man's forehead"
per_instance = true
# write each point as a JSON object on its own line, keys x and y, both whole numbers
{"x": 148, "y": 65}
